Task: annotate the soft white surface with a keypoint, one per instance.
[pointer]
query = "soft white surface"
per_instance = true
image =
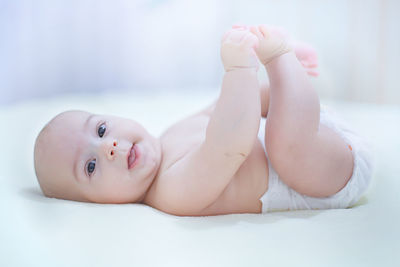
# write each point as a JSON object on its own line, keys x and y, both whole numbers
{"x": 37, "y": 231}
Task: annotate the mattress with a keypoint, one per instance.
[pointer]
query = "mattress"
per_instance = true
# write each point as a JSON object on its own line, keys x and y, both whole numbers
{"x": 40, "y": 231}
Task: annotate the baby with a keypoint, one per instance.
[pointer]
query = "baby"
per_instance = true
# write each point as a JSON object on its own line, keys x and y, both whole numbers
{"x": 254, "y": 150}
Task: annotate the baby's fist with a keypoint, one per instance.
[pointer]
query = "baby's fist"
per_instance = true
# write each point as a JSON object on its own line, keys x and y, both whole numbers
{"x": 237, "y": 49}
{"x": 272, "y": 42}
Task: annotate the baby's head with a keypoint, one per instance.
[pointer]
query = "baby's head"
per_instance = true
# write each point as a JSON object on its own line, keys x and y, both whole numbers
{"x": 95, "y": 158}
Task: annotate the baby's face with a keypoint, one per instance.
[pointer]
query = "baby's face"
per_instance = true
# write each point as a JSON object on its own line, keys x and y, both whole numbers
{"x": 97, "y": 158}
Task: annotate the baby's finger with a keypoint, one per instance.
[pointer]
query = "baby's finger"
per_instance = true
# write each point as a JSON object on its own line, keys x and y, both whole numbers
{"x": 250, "y": 40}
{"x": 227, "y": 35}
{"x": 256, "y": 32}
{"x": 237, "y": 36}
{"x": 264, "y": 30}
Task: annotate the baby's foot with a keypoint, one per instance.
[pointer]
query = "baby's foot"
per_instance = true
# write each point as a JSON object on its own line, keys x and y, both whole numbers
{"x": 307, "y": 56}
{"x": 272, "y": 43}
{"x": 305, "y": 53}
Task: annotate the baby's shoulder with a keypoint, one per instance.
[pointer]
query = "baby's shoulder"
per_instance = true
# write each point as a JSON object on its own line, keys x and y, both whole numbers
{"x": 187, "y": 124}
{"x": 182, "y": 138}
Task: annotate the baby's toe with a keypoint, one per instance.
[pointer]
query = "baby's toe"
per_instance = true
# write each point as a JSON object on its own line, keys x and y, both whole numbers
{"x": 264, "y": 30}
{"x": 306, "y": 54}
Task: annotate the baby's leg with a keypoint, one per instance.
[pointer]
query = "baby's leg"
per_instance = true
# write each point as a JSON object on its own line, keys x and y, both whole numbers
{"x": 309, "y": 157}
{"x": 305, "y": 53}
{"x": 307, "y": 56}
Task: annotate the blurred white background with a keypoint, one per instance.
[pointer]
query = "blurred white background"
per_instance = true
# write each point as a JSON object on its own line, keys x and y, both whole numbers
{"x": 67, "y": 46}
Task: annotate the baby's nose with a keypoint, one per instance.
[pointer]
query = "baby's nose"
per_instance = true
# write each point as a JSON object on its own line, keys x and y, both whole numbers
{"x": 110, "y": 152}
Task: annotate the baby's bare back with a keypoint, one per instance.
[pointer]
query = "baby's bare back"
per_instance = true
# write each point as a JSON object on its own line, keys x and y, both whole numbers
{"x": 242, "y": 193}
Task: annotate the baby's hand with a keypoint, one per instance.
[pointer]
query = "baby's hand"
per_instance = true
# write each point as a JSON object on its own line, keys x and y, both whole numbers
{"x": 237, "y": 49}
{"x": 272, "y": 43}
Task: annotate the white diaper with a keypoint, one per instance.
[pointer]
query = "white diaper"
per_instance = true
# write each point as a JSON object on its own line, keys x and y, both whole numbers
{"x": 281, "y": 197}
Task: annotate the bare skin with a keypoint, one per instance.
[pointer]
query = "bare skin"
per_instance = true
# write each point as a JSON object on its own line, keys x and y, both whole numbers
{"x": 212, "y": 162}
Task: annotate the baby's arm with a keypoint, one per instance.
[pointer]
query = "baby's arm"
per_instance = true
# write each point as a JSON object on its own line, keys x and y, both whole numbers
{"x": 235, "y": 119}
{"x": 264, "y": 98}
{"x": 198, "y": 179}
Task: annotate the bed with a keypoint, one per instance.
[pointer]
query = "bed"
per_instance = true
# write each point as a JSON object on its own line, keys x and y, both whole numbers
{"x": 39, "y": 231}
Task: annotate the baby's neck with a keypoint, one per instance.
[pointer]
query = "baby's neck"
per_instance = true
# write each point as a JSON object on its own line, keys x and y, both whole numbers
{"x": 154, "y": 175}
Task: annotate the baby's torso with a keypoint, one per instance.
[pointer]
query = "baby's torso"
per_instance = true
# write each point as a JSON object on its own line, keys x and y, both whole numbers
{"x": 245, "y": 188}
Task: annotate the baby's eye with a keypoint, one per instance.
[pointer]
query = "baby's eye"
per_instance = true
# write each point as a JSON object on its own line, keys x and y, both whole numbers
{"x": 101, "y": 130}
{"x": 91, "y": 166}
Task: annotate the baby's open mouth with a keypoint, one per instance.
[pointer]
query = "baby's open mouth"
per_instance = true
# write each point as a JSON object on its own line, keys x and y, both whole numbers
{"x": 132, "y": 157}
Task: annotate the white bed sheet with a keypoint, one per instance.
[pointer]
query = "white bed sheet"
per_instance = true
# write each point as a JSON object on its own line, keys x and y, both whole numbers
{"x": 38, "y": 231}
